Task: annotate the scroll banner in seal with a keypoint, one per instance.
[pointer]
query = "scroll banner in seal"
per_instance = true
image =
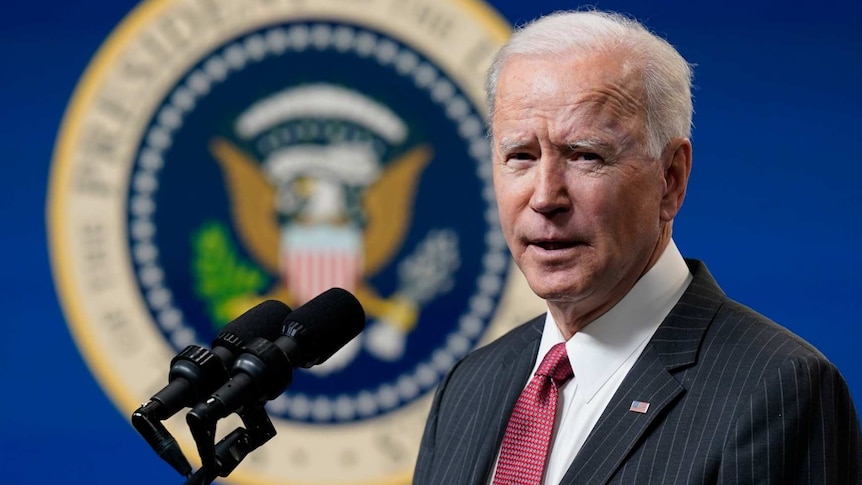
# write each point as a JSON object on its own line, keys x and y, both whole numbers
{"x": 218, "y": 153}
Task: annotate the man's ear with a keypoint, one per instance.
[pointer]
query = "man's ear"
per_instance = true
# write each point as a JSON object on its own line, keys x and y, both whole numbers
{"x": 676, "y": 162}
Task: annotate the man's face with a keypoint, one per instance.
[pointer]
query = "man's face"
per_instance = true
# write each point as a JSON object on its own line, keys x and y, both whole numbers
{"x": 578, "y": 196}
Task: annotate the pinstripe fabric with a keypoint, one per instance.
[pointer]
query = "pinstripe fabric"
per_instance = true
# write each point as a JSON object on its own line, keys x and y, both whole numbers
{"x": 734, "y": 398}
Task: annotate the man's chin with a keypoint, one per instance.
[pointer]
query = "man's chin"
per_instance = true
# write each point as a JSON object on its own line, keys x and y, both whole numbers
{"x": 570, "y": 290}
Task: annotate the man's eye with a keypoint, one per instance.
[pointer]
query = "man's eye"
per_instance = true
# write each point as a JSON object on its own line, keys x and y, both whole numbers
{"x": 520, "y": 156}
{"x": 589, "y": 157}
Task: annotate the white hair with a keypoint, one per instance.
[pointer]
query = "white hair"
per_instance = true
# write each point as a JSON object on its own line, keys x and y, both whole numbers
{"x": 666, "y": 75}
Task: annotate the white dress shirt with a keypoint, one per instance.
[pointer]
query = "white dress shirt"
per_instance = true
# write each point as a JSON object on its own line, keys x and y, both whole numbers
{"x": 603, "y": 352}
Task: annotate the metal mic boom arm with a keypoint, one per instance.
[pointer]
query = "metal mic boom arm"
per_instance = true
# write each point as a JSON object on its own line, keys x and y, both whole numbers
{"x": 234, "y": 447}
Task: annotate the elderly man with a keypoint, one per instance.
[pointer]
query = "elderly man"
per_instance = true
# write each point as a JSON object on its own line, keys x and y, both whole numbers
{"x": 642, "y": 370}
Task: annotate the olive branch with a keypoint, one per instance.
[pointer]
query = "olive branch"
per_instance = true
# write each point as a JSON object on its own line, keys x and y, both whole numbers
{"x": 220, "y": 273}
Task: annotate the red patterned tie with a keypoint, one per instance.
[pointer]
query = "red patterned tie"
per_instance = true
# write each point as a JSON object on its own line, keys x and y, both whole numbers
{"x": 528, "y": 434}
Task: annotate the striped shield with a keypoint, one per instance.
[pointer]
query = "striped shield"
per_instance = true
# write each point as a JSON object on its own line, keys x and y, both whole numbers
{"x": 317, "y": 257}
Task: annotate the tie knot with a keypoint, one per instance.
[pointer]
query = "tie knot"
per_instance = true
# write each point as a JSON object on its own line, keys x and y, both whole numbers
{"x": 556, "y": 365}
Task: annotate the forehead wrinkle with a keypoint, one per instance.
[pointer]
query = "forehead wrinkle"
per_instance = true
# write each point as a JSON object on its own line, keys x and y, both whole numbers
{"x": 586, "y": 120}
{"x": 618, "y": 101}
{"x": 618, "y": 90}
{"x": 604, "y": 116}
{"x": 621, "y": 100}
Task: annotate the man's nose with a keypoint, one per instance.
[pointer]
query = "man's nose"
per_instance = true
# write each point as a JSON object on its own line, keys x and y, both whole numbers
{"x": 550, "y": 192}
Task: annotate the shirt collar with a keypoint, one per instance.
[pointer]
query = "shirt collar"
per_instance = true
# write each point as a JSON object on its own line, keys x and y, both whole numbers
{"x": 600, "y": 348}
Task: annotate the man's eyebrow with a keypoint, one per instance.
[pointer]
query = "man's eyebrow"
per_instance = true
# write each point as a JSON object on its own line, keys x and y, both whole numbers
{"x": 591, "y": 143}
{"x": 510, "y": 144}
{"x": 578, "y": 145}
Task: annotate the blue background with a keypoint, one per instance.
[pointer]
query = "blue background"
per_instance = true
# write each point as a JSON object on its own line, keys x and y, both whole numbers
{"x": 773, "y": 207}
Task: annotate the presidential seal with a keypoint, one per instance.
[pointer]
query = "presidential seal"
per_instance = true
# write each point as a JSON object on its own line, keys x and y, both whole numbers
{"x": 219, "y": 153}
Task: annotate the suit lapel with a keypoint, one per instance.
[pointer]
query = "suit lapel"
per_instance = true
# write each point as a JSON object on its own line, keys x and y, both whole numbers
{"x": 517, "y": 361}
{"x": 674, "y": 345}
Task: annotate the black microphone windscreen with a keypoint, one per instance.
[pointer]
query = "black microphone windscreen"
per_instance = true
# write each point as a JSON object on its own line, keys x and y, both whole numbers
{"x": 264, "y": 321}
{"x": 325, "y": 324}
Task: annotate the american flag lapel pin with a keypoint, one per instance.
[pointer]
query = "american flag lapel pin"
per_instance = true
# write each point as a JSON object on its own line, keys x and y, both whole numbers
{"x": 639, "y": 407}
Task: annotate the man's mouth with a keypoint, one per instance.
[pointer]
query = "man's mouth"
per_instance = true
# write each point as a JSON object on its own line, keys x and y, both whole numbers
{"x": 555, "y": 245}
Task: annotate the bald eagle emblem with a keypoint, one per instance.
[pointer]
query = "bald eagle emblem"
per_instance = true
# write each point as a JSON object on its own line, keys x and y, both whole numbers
{"x": 322, "y": 208}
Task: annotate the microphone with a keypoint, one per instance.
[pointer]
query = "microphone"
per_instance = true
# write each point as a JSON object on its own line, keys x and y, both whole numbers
{"x": 196, "y": 372}
{"x": 310, "y": 335}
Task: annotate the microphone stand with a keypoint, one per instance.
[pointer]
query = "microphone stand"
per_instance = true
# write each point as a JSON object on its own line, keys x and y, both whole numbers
{"x": 219, "y": 460}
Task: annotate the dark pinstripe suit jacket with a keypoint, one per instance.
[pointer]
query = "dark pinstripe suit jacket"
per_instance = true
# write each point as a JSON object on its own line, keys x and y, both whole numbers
{"x": 734, "y": 398}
